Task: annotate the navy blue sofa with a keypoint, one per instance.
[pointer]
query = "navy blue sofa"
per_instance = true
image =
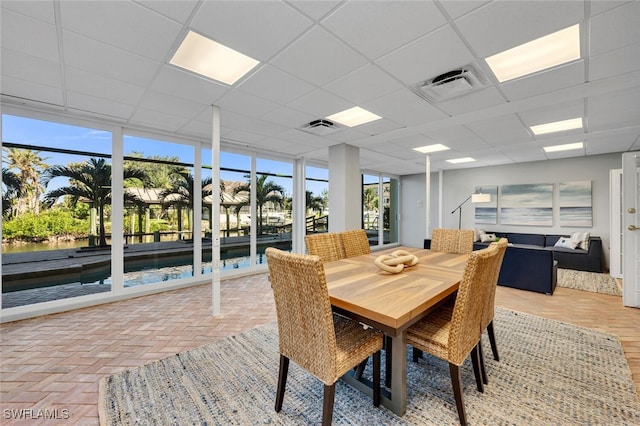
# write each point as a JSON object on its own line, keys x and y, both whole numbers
{"x": 531, "y": 261}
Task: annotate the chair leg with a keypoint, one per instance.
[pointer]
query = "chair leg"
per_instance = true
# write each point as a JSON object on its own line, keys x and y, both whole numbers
{"x": 282, "y": 381}
{"x": 327, "y": 404}
{"x": 492, "y": 340}
{"x": 456, "y": 383}
{"x": 483, "y": 368}
{"x": 417, "y": 354}
{"x": 376, "y": 379}
{"x": 360, "y": 369}
{"x": 387, "y": 361}
{"x": 477, "y": 369}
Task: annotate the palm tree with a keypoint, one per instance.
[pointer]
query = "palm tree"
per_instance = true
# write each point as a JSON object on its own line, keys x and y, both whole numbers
{"x": 182, "y": 191}
{"x": 10, "y": 190}
{"x": 90, "y": 181}
{"x": 30, "y": 165}
{"x": 314, "y": 203}
{"x": 265, "y": 192}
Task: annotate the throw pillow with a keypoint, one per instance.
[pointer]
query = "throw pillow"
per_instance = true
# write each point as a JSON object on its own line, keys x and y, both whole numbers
{"x": 487, "y": 238}
{"x": 478, "y": 234}
{"x": 566, "y": 242}
{"x": 582, "y": 238}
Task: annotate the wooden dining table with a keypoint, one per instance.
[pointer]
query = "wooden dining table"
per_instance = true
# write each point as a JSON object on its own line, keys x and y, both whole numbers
{"x": 392, "y": 303}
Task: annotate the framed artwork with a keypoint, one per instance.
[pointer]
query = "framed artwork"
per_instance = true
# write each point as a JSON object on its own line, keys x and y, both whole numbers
{"x": 487, "y": 213}
{"x": 575, "y": 204}
{"x": 526, "y": 204}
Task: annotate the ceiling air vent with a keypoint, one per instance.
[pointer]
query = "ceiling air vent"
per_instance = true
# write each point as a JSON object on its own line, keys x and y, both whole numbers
{"x": 449, "y": 85}
{"x": 320, "y": 127}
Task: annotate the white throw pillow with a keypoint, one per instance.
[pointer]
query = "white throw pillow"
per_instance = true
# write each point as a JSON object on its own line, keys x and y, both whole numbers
{"x": 582, "y": 238}
{"x": 487, "y": 238}
{"x": 478, "y": 233}
{"x": 566, "y": 242}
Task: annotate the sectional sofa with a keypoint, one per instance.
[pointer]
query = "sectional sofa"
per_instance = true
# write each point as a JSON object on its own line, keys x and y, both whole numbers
{"x": 532, "y": 260}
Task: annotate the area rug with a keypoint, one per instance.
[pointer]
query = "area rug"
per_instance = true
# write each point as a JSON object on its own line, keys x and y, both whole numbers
{"x": 549, "y": 373}
{"x": 588, "y": 281}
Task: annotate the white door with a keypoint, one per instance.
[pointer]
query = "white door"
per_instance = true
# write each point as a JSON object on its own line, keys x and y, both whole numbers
{"x": 631, "y": 228}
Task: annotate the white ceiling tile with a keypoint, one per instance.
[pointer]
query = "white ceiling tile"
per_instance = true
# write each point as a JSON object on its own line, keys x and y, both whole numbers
{"x": 523, "y": 153}
{"x": 177, "y": 82}
{"x": 244, "y": 103}
{"x": 606, "y": 143}
{"x": 427, "y": 57}
{"x": 315, "y": 9}
{"x": 404, "y": 107}
{"x": 457, "y": 8}
{"x": 563, "y": 111}
{"x": 274, "y": 84}
{"x": 41, "y": 10}
{"x": 29, "y": 36}
{"x": 458, "y": 138}
{"x": 545, "y": 81}
{"x": 318, "y": 57}
{"x": 89, "y": 55}
{"x": 501, "y": 25}
{"x": 27, "y": 67}
{"x": 31, "y": 90}
{"x": 289, "y": 117}
{"x": 162, "y": 102}
{"x": 320, "y": 103}
{"x": 616, "y": 62}
{"x": 507, "y": 129}
{"x": 363, "y": 84}
{"x": 156, "y": 119}
{"x": 122, "y": 24}
{"x": 259, "y": 29}
{"x": 376, "y": 28}
{"x": 102, "y": 87}
{"x": 474, "y": 101}
{"x": 98, "y": 106}
{"x": 599, "y": 6}
{"x": 615, "y": 29}
{"x": 177, "y": 10}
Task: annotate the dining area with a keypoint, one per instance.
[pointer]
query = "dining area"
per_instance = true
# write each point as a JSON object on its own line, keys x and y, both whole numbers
{"x": 341, "y": 304}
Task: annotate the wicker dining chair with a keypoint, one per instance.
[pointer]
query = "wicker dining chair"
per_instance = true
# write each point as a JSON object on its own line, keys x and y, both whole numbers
{"x": 453, "y": 330}
{"x": 452, "y": 240}
{"x": 324, "y": 344}
{"x": 327, "y": 245}
{"x": 355, "y": 242}
{"x": 487, "y": 318}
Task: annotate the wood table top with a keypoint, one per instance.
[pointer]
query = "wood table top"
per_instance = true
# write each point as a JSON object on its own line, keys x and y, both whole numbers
{"x": 393, "y": 302}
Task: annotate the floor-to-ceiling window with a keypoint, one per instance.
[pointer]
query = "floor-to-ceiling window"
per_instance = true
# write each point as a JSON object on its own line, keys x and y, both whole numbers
{"x": 56, "y": 198}
{"x": 380, "y": 208}
{"x": 317, "y": 199}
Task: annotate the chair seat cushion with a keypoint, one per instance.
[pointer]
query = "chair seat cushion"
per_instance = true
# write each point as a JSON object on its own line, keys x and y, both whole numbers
{"x": 354, "y": 343}
{"x": 431, "y": 333}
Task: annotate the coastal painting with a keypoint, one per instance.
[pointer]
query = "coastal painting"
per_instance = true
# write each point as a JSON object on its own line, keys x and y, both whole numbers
{"x": 487, "y": 213}
{"x": 575, "y": 204}
{"x": 526, "y": 204}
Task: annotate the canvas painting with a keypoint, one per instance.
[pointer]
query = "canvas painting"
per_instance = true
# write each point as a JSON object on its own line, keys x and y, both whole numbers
{"x": 487, "y": 213}
{"x": 526, "y": 204}
{"x": 575, "y": 204}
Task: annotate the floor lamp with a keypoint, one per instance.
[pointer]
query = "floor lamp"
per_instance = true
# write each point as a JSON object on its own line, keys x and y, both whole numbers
{"x": 475, "y": 198}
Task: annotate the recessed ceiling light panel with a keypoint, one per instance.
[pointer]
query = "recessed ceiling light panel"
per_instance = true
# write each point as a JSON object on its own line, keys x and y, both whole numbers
{"x": 431, "y": 148}
{"x": 212, "y": 59}
{"x": 354, "y": 117}
{"x": 565, "y": 147}
{"x": 461, "y": 160}
{"x": 557, "y": 126}
{"x": 545, "y": 52}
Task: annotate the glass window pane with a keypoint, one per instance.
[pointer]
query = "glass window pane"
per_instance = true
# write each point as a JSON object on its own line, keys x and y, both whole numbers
{"x": 317, "y": 199}
{"x": 56, "y": 211}
{"x": 370, "y": 209}
{"x": 235, "y": 211}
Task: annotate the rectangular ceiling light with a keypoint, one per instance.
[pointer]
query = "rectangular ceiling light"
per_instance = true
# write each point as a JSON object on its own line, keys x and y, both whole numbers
{"x": 211, "y": 59}
{"x": 461, "y": 160}
{"x": 431, "y": 148}
{"x": 565, "y": 147}
{"x": 557, "y": 126}
{"x": 545, "y": 52}
{"x": 354, "y": 117}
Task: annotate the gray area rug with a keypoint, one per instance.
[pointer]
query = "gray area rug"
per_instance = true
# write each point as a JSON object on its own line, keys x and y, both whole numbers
{"x": 549, "y": 373}
{"x": 588, "y": 281}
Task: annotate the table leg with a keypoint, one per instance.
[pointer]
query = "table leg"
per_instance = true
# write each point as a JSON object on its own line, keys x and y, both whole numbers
{"x": 398, "y": 376}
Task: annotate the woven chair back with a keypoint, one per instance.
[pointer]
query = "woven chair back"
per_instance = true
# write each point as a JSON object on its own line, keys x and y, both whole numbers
{"x": 355, "y": 242}
{"x": 489, "y": 313}
{"x": 327, "y": 245}
{"x": 452, "y": 240}
{"x": 471, "y": 303}
{"x": 303, "y": 309}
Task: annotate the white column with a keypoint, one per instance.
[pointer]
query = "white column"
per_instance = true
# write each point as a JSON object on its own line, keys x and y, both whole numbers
{"x": 299, "y": 206}
{"x": 196, "y": 214}
{"x": 215, "y": 211}
{"x": 117, "y": 211}
{"x": 427, "y": 196}
{"x": 345, "y": 187}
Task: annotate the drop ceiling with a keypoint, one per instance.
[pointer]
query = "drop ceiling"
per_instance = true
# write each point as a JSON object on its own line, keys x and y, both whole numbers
{"x": 110, "y": 60}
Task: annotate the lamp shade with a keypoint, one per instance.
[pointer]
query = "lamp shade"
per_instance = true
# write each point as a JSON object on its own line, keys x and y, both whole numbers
{"x": 480, "y": 198}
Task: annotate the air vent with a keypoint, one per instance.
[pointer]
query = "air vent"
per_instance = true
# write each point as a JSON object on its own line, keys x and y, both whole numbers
{"x": 320, "y": 127}
{"x": 449, "y": 84}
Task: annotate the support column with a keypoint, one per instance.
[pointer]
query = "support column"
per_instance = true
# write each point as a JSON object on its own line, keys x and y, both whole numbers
{"x": 345, "y": 188}
{"x": 215, "y": 207}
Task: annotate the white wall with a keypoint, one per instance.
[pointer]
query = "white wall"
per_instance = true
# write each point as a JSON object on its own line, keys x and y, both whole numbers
{"x": 459, "y": 184}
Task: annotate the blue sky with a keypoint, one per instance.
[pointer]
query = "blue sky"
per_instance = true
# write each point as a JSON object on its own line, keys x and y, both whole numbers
{"x": 55, "y": 135}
